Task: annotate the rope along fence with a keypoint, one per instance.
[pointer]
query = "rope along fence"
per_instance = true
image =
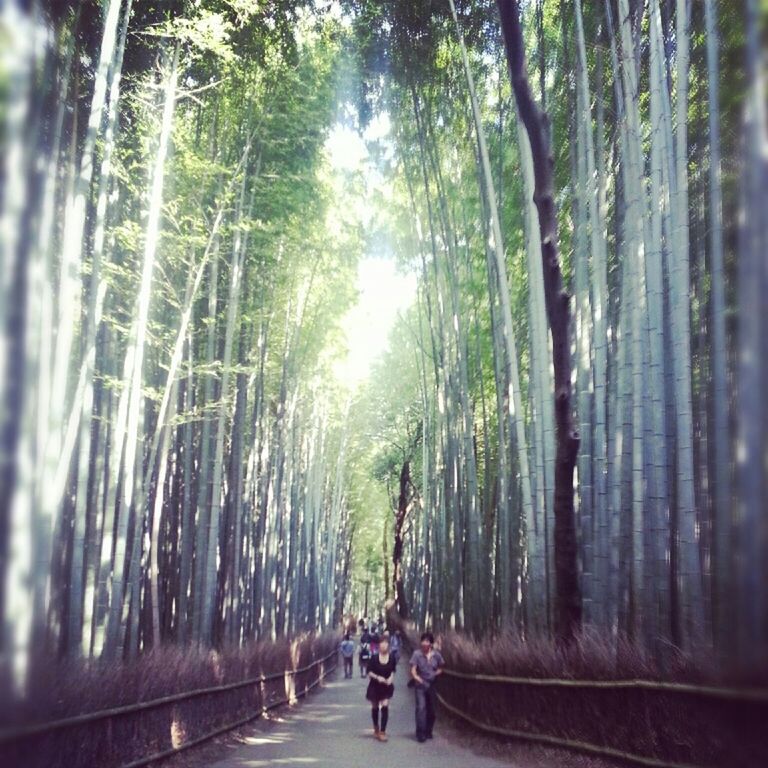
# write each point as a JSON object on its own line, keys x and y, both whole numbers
{"x": 644, "y": 722}
{"x": 26, "y": 745}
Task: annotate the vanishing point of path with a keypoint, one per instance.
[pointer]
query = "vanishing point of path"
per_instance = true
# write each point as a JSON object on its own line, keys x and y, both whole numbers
{"x": 332, "y": 729}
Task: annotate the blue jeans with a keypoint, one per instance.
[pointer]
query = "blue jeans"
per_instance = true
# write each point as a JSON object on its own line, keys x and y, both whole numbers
{"x": 425, "y": 711}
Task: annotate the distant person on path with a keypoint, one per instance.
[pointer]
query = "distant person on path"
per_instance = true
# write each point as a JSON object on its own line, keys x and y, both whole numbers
{"x": 394, "y": 645}
{"x": 365, "y": 653}
{"x": 347, "y": 648}
{"x": 381, "y": 673}
{"x": 374, "y": 643}
{"x": 426, "y": 664}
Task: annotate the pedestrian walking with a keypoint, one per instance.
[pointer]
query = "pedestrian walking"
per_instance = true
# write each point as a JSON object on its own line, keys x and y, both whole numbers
{"x": 364, "y": 655}
{"x": 426, "y": 665}
{"x": 347, "y": 649}
{"x": 381, "y": 673}
{"x": 394, "y": 645}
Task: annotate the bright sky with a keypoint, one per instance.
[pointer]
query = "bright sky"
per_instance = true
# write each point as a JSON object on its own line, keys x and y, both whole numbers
{"x": 383, "y": 290}
{"x": 383, "y": 293}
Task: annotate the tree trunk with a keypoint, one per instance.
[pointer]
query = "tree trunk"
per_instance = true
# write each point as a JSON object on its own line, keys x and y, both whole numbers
{"x": 721, "y": 458}
{"x": 515, "y": 401}
{"x": 188, "y": 514}
{"x": 209, "y": 581}
{"x": 599, "y": 305}
{"x": 752, "y": 283}
{"x": 136, "y": 353}
{"x": 401, "y": 513}
{"x": 567, "y": 594}
{"x": 690, "y": 574}
{"x": 78, "y": 640}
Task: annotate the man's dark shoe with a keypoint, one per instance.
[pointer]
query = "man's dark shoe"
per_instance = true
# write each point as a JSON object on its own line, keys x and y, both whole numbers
{"x": 420, "y": 739}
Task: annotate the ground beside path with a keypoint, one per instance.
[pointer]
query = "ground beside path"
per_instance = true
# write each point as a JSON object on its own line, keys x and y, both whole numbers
{"x": 333, "y": 729}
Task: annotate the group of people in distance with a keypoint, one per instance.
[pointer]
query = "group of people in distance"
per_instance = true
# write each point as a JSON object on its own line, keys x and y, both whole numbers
{"x": 379, "y": 654}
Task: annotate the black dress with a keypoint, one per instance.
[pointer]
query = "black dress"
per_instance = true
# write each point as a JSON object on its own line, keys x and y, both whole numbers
{"x": 378, "y": 691}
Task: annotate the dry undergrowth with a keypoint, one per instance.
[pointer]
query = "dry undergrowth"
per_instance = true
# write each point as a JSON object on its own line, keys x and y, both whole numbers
{"x": 65, "y": 689}
{"x": 672, "y": 726}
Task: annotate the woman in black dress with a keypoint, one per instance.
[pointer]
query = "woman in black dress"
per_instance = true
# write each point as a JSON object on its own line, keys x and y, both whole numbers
{"x": 381, "y": 673}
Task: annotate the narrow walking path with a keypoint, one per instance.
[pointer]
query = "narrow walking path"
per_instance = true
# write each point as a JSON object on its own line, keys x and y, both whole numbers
{"x": 333, "y": 730}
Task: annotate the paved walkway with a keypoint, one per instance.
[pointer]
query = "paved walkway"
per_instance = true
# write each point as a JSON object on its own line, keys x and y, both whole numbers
{"x": 332, "y": 729}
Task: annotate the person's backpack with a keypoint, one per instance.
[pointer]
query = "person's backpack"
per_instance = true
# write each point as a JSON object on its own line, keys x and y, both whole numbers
{"x": 365, "y": 652}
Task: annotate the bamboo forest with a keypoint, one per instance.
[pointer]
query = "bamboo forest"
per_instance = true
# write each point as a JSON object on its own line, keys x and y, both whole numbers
{"x": 384, "y": 317}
